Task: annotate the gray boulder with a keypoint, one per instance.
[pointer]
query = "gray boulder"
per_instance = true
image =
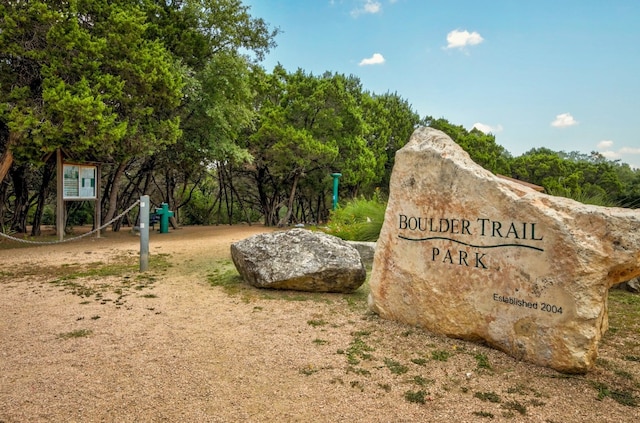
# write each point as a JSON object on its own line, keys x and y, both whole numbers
{"x": 634, "y": 285}
{"x": 366, "y": 250}
{"x": 299, "y": 259}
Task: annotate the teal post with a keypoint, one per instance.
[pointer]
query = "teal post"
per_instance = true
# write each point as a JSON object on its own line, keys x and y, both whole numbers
{"x": 336, "y": 177}
{"x": 164, "y": 214}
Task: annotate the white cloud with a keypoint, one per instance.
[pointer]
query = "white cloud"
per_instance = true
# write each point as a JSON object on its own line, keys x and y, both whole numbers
{"x": 461, "y": 39}
{"x": 629, "y": 150}
{"x": 605, "y": 144}
{"x": 624, "y": 153}
{"x": 487, "y": 129}
{"x": 369, "y": 6}
{"x": 376, "y": 59}
{"x": 611, "y": 155}
{"x": 564, "y": 120}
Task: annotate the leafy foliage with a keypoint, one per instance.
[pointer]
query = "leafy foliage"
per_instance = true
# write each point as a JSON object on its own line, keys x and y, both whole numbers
{"x": 359, "y": 220}
{"x": 482, "y": 148}
{"x": 590, "y": 179}
{"x": 68, "y": 73}
{"x": 169, "y": 95}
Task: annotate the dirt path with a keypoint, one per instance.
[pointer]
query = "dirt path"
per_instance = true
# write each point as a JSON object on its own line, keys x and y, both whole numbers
{"x": 84, "y": 337}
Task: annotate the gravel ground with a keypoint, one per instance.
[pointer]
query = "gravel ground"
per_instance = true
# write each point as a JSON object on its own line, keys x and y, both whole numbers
{"x": 84, "y": 337}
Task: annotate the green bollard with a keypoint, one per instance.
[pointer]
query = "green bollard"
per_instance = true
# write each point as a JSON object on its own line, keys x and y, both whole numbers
{"x": 164, "y": 214}
{"x": 336, "y": 176}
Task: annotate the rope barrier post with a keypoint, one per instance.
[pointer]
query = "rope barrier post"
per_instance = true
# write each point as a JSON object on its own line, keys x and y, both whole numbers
{"x": 144, "y": 233}
{"x": 28, "y": 241}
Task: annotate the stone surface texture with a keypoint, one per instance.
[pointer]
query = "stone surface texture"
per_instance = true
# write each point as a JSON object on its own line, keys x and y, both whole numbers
{"x": 470, "y": 255}
{"x": 366, "y": 250}
{"x": 633, "y": 285}
{"x": 299, "y": 259}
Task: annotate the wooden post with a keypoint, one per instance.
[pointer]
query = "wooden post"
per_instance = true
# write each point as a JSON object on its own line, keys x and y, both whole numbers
{"x": 97, "y": 212}
{"x": 60, "y": 211}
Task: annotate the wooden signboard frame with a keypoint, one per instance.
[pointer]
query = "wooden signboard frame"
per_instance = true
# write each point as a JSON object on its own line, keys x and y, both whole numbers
{"x": 76, "y": 182}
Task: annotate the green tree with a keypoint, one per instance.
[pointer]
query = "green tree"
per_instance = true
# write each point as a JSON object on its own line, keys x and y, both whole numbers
{"x": 80, "y": 75}
{"x": 390, "y": 121}
{"x": 120, "y": 81}
{"x": 197, "y": 30}
{"x": 587, "y": 178}
{"x": 482, "y": 147}
{"x": 630, "y": 181}
{"x": 307, "y": 127}
{"x": 217, "y": 41}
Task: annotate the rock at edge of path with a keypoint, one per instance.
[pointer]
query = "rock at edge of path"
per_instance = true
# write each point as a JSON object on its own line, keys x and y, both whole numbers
{"x": 299, "y": 259}
{"x": 470, "y": 255}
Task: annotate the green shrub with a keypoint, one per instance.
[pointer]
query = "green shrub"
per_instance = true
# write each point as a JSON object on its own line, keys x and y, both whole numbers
{"x": 359, "y": 220}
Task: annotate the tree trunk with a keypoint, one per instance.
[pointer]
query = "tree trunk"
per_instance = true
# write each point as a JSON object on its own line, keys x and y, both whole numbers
{"x": 211, "y": 209}
{"x": 4, "y": 188}
{"x": 235, "y": 192}
{"x": 113, "y": 194}
{"x": 269, "y": 205}
{"x": 285, "y": 220}
{"x": 7, "y": 157}
{"x": 47, "y": 176}
{"x": 223, "y": 185}
{"x": 5, "y": 163}
{"x": 21, "y": 204}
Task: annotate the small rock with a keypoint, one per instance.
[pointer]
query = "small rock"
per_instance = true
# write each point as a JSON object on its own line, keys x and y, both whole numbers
{"x": 634, "y": 285}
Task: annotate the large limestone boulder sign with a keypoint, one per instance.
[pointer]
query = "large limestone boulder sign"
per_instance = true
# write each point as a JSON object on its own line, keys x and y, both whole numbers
{"x": 299, "y": 259}
{"x": 470, "y": 255}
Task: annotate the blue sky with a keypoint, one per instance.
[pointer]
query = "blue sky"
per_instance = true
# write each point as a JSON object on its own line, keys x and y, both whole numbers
{"x": 562, "y": 74}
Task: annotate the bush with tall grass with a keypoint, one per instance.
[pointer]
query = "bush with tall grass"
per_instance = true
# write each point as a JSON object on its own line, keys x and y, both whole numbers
{"x": 358, "y": 220}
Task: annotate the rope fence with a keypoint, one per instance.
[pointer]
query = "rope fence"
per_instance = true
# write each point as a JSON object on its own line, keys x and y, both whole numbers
{"x": 27, "y": 241}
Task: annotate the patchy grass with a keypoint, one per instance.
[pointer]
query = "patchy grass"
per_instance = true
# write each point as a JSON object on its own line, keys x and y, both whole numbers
{"x": 358, "y": 371}
{"x": 106, "y": 283}
{"x": 395, "y": 367}
{"x": 309, "y": 370}
{"x": 316, "y": 322}
{"x": 224, "y": 275}
{"x": 484, "y": 414}
{"x": 621, "y": 396}
{"x": 357, "y": 300}
{"x": 515, "y": 406}
{"x": 421, "y": 381}
{"x": 385, "y": 387}
{"x": 618, "y": 374}
{"x": 482, "y": 361}
{"x": 416, "y": 396}
{"x": 488, "y": 396}
{"x": 358, "y": 349}
{"x": 441, "y": 355}
{"x": 361, "y": 363}
{"x": 78, "y": 333}
{"x": 376, "y": 351}
{"x": 625, "y": 321}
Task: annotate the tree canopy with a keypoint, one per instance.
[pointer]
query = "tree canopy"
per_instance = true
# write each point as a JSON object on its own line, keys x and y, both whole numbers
{"x": 170, "y": 97}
